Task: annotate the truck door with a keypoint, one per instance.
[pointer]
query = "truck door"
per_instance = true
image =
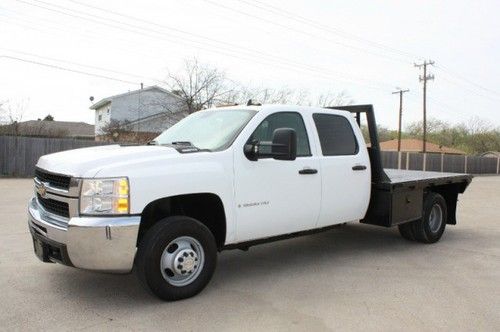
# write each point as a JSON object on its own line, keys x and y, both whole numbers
{"x": 276, "y": 197}
{"x": 345, "y": 168}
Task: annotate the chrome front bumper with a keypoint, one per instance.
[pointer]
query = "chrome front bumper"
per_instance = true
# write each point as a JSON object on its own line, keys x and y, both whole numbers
{"x": 105, "y": 244}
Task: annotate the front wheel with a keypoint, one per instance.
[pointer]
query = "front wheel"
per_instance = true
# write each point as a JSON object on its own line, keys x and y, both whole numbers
{"x": 176, "y": 258}
{"x": 431, "y": 227}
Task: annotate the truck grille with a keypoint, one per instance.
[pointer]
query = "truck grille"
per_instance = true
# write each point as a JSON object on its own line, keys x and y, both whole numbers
{"x": 54, "y": 180}
{"x": 53, "y": 206}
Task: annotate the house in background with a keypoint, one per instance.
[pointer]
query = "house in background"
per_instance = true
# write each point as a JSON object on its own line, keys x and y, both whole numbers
{"x": 416, "y": 145}
{"x": 43, "y": 128}
{"x": 145, "y": 112}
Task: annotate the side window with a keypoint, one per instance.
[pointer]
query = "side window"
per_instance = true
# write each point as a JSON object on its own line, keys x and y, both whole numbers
{"x": 335, "y": 135}
{"x": 264, "y": 132}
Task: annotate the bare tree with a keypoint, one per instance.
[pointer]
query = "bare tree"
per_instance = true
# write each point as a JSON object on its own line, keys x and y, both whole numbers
{"x": 3, "y": 113}
{"x": 14, "y": 111}
{"x": 266, "y": 95}
{"x": 199, "y": 85}
{"x": 333, "y": 99}
{"x": 285, "y": 95}
{"x": 11, "y": 114}
{"x": 114, "y": 130}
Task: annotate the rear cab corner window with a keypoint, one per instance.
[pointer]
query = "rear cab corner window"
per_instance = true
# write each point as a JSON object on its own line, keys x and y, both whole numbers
{"x": 265, "y": 130}
{"x": 336, "y": 135}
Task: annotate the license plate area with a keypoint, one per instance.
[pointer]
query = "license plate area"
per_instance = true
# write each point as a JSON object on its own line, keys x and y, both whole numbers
{"x": 41, "y": 250}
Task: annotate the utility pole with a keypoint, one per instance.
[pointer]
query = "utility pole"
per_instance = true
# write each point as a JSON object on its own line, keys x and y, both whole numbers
{"x": 424, "y": 78}
{"x": 400, "y": 92}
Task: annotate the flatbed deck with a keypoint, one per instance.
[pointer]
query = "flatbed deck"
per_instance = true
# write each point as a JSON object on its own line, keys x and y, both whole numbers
{"x": 420, "y": 179}
{"x": 397, "y": 196}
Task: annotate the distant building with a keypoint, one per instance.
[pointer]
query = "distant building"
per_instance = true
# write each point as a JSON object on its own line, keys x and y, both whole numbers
{"x": 41, "y": 128}
{"x": 416, "y": 145}
{"x": 149, "y": 110}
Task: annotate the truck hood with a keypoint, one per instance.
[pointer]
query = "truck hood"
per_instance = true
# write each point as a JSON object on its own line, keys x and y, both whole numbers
{"x": 87, "y": 162}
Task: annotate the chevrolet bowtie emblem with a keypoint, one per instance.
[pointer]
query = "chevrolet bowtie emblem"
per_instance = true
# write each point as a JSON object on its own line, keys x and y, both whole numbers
{"x": 42, "y": 190}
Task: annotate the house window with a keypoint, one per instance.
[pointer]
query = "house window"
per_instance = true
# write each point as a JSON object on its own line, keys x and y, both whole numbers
{"x": 100, "y": 117}
{"x": 107, "y": 111}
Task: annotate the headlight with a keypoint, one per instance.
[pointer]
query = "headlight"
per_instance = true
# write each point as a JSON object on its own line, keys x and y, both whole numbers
{"x": 105, "y": 196}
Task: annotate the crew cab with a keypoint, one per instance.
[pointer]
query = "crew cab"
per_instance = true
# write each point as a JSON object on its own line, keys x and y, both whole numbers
{"x": 226, "y": 178}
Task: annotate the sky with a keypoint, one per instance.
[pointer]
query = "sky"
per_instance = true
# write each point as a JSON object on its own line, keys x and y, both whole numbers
{"x": 55, "y": 54}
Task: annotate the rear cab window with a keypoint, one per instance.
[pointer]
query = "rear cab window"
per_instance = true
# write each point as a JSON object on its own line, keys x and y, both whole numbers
{"x": 336, "y": 135}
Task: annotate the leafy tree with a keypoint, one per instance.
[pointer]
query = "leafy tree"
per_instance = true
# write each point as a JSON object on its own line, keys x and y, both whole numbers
{"x": 475, "y": 136}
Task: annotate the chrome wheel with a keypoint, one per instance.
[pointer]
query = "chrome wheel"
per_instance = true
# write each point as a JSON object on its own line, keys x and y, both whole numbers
{"x": 435, "y": 218}
{"x": 182, "y": 261}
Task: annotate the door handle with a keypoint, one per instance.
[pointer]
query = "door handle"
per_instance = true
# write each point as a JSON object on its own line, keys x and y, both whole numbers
{"x": 358, "y": 168}
{"x": 308, "y": 171}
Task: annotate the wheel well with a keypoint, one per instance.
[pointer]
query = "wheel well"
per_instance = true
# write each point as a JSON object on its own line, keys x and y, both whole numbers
{"x": 207, "y": 208}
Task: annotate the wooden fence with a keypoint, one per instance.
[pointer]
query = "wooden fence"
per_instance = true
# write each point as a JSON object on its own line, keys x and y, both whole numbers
{"x": 18, "y": 156}
{"x": 439, "y": 162}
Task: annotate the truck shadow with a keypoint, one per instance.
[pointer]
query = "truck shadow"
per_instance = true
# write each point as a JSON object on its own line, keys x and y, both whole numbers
{"x": 350, "y": 244}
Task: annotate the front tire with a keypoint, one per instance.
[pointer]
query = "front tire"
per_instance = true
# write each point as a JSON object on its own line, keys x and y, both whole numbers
{"x": 176, "y": 258}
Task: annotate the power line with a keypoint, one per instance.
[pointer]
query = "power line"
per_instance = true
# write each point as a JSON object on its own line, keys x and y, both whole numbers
{"x": 241, "y": 12}
{"x": 67, "y": 69}
{"x": 232, "y": 46}
{"x": 319, "y": 74}
{"x": 156, "y": 80}
{"x": 301, "y": 19}
{"x": 465, "y": 79}
{"x": 183, "y": 41}
{"x": 79, "y": 64}
{"x": 230, "y": 52}
{"x": 482, "y": 94}
{"x": 304, "y": 20}
{"x": 424, "y": 78}
{"x": 50, "y": 26}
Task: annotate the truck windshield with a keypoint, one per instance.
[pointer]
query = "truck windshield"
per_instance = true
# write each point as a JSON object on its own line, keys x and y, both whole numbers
{"x": 207, "y": 130}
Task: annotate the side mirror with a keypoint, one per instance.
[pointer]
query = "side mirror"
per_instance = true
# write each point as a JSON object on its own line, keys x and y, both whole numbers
{"x": 282, "y": 147}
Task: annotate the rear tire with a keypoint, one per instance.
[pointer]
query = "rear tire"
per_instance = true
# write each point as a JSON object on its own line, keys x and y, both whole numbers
{"x": 431, "y": 227}
{"x": 176, "y": 258}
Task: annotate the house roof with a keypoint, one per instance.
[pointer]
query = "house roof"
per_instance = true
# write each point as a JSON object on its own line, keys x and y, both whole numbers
{"x": 53, "y": 128}
{"x": 108, "y": 100}
{"x": 415, "y": 145}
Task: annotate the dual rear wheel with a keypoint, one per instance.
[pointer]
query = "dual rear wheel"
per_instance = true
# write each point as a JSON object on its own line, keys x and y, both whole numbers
{"x": 431, "y": 227}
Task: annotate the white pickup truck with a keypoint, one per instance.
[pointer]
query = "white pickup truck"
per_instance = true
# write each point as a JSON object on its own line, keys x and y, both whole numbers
{"x": 226, "y": 178}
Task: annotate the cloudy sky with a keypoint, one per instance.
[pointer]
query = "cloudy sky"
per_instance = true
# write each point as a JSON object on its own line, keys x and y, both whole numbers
{"x": 54, "y": 54}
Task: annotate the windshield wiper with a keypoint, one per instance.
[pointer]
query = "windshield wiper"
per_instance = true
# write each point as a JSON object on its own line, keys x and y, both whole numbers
{"x": 187, "y": 143}
{"x": 186, "y": 146}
